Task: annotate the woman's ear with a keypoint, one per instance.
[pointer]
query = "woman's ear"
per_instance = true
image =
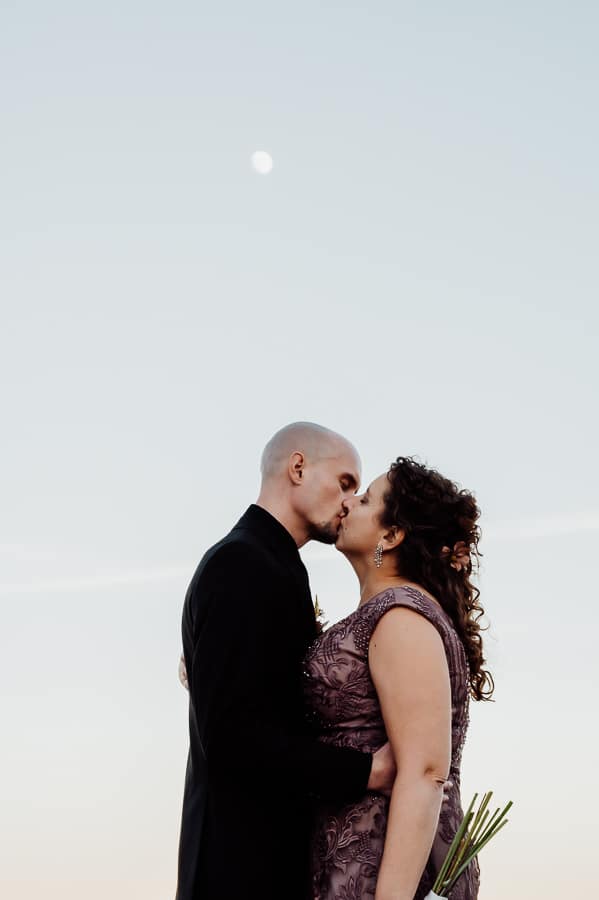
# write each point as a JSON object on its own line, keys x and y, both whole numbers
{"x": 393, "y": 537}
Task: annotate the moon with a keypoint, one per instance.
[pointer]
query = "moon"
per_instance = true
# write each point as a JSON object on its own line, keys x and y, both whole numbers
{"x": 262, "y": 162}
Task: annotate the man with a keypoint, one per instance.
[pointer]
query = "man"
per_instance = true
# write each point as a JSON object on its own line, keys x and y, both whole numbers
{"x": 254, "y": 768}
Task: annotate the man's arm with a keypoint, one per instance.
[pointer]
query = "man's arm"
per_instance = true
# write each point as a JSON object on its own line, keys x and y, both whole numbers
{"x": 234, "y": 673}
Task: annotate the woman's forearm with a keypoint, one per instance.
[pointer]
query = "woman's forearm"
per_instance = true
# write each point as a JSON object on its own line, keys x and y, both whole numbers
{"x": 411, "y": 827}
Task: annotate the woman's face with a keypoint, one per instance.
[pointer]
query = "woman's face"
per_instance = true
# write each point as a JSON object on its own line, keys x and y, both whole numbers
{"x": 361, "y": 528}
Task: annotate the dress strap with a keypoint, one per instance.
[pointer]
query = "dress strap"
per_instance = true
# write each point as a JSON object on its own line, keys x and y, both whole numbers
{"x": 374, "y": 609}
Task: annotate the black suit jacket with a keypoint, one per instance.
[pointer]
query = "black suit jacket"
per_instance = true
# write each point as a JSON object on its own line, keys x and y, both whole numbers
{"x": 254, "y": 769}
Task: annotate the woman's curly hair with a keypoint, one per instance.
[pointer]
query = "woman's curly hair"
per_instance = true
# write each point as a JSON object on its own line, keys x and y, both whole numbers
{"x": 435, "y": 515}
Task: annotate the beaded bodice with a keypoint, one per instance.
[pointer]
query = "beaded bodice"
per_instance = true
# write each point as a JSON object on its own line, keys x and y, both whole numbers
{"x": 343, "y": 707}
{"x": 342, "y": 700}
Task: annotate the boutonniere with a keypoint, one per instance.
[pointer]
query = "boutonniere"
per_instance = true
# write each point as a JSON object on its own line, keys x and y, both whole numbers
{"x": 321, "y": 624}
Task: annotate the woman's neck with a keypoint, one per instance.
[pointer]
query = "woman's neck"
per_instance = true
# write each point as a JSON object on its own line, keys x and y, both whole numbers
{"x": 376, "y": 582}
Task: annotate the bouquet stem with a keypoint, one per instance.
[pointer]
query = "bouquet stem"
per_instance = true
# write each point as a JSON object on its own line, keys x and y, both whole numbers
{"x": 476, "y": 830}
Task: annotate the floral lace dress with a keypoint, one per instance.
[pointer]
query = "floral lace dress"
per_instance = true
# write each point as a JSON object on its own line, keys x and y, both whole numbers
{"x": 343, "y": 705}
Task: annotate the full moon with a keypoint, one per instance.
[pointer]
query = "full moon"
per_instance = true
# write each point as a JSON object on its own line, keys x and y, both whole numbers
{"x": 262, "y": 162}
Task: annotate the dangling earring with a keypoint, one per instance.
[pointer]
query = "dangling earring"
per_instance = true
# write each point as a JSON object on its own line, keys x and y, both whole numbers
{"x": 378, "y": 555}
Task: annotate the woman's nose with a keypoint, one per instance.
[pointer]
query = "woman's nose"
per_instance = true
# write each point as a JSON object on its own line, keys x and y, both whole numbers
{"x": 346, "y": 504}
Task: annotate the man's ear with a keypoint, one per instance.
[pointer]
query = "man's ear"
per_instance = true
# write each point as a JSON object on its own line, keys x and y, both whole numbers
{"x": 295, "y": 470}
{"x": 393, "y": 537}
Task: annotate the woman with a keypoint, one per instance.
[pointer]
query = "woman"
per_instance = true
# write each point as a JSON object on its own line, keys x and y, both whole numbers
{"x": 403, "y": 665}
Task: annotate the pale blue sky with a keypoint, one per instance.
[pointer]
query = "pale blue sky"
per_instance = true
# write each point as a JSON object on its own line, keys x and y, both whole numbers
{"x": 419, "y": 272}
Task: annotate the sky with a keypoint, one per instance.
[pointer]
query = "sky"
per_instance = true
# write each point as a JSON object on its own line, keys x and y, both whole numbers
{"x": 419, "y": 271}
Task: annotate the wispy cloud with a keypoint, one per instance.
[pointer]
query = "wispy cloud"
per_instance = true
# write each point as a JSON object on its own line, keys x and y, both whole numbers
{"x": 97, "y": 582}
{"x": 543, "y": 526}
{"x": 525, "y": 529}
{"x": 23, "y": 553}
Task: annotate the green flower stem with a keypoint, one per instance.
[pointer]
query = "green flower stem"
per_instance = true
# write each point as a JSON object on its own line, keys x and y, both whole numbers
{"x": 469, "y": 840}
{"x": 499, "y": 818}
{"x": 451, "y": 853}
{"x": 481, "y": 809}
{"x": 487, "y": 837}
{"x": 480, "y": 817}
{"x": 438, "y": 885}
{"x": 490, "y": 823}
{"x": 466, "y": 862}
{"x": 475, "y": 831}
{"x": 471, "y": 856}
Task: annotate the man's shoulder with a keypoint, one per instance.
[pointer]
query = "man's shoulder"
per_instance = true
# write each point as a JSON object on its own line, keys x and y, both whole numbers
{"x": 239, "y": 546}
{"x": 234, "y": 565}
{"x": 238, "y": 552}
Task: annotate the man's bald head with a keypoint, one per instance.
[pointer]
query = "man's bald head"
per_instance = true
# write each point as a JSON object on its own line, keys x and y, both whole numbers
{"x": 315, "y": 442}
{"x": 307, "y": 472}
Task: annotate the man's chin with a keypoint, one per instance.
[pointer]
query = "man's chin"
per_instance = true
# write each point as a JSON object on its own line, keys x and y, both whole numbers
{"x": 324, "y": 534}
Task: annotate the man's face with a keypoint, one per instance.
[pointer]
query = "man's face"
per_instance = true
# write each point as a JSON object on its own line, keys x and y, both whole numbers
{"x": 328, "y": 482}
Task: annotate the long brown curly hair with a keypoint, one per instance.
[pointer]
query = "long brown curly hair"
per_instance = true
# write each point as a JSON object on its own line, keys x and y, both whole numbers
{"x": 435, "y": 515}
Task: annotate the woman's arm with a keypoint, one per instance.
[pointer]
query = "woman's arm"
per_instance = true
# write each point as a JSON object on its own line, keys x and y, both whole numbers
{"x": 411, "y": 676}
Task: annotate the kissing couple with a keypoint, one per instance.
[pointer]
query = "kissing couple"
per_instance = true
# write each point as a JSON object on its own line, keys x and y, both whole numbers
{"x": 325, "y": 764}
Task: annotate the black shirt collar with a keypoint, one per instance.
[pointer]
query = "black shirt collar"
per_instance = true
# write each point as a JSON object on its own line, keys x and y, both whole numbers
{"x": 260, "y": 522}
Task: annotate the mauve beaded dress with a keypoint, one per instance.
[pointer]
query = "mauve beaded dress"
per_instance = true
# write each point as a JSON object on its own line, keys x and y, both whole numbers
{"x": 343, "y": 706}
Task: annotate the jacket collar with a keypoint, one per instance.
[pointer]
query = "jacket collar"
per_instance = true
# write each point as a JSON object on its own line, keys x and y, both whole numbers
{"x": 264, "y": 525}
